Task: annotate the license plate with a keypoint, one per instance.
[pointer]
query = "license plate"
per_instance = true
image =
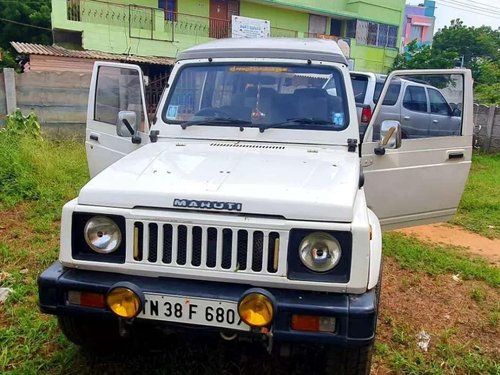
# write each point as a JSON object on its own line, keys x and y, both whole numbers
{"x": 197, "y": 311}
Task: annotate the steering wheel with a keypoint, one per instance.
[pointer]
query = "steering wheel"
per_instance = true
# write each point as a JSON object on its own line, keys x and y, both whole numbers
{"x": 212, "y": 112}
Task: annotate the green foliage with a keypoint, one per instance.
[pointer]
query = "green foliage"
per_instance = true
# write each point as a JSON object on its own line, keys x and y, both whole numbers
{"x": 424, "y": 57}
{"x": 471, "y": 43}
{"x": 17, "y": 124}
{"x": 8, "y": 60}
{"x": 35, "y": 13}
{"x": 488, "y": 94}
{"x": 479, "y": 47}
{"x": 479, "y": 209}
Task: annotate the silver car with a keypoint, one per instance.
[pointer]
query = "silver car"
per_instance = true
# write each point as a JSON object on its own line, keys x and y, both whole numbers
{"x": 421, "y": 109}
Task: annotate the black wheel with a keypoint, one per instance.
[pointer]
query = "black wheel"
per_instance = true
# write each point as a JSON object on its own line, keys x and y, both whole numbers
{"x": 352, "y": 361}
{"x": 91, "y": 333}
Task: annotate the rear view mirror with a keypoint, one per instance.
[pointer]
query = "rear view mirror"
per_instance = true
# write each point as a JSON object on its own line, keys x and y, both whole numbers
{"x": 456, "y": 112}
{"x": 390, "y": 136}
{"x": 127, "y": 124}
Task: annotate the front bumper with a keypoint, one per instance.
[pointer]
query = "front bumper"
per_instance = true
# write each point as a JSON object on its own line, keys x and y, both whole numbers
{"x": 355, "y": 314}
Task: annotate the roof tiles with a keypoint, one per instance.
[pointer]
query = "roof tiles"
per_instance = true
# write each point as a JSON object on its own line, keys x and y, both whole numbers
{"x": 39, "y": 49}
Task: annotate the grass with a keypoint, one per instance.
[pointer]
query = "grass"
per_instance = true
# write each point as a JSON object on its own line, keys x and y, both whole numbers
{"x": 435, "y": 259}
{"x": 38, "y": 177}
{"x": 479, "y": 209}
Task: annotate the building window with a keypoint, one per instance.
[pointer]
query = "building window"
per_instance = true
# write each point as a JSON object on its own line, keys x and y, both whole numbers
{"x": 392, "y": 38}
{"x": 382, "y": 35}
{"x": 416, "y": 33}
{"x": 372, "y": 34}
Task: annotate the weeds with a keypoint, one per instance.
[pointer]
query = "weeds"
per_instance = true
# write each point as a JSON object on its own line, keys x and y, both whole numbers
{"x": 478, "y": 295}
{"x": 47, "y": 173}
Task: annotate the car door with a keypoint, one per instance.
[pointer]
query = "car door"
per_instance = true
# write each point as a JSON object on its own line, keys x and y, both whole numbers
{"x": 415, "y": 119}
{"x": 422, "y": 181}
{"x": 444, "y": 121}
{"x": 114, "y": 88}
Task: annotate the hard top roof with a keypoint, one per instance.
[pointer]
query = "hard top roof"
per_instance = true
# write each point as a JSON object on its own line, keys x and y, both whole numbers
{"x": 284, "y": 48}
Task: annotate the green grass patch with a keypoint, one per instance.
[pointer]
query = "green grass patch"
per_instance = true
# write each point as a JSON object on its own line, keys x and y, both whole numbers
{"x": 479, "y": 209}
{"x": 48, "y": 172}
{"x": 403, "y": 356}
{"x": 437, "y": 259}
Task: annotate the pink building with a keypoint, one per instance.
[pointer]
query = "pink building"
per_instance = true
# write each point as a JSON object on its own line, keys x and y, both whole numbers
{"x": 418, "y": 23}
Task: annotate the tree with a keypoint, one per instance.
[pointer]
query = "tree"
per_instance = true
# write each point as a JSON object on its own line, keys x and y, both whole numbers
{"x": 424, "y": 57}
{"x": 477, "y": 47}
{"x": 22, "y": 13}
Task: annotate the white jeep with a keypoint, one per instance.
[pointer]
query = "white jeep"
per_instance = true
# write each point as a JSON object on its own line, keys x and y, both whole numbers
{"x": 249, "y": 207}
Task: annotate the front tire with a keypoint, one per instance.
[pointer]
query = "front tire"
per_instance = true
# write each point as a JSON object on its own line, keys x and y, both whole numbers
{"x": 91, "y": 333}
{"x": 352, "y": 361}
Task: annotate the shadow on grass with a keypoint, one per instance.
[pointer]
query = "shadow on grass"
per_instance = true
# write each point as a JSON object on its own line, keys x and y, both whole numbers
{"x": 187, "y": 356}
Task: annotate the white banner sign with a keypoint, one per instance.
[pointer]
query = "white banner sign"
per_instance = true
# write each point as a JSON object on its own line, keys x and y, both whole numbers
{"x": 244, "y": 27}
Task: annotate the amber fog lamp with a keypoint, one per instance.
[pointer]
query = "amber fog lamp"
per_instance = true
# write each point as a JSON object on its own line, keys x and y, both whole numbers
{"x": 256, "y": 310}
{"x": 124, "y": 302}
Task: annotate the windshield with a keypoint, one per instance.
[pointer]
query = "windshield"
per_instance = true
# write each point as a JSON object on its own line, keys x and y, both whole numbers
{"x": 286, "y": 96}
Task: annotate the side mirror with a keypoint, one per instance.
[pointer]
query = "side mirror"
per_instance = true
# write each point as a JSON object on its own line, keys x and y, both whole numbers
{"x": 390, "y": 136}
{"x": 456, "y": 112}
{"x": 127, "y": 126}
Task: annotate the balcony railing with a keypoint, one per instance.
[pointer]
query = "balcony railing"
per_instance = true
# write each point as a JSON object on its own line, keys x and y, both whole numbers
{"x": 153, "y": 23}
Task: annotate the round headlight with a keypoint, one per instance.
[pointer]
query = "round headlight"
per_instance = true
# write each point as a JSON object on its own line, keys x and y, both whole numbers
{"x": 102, "y": 234}
{"x": 319, "y": 251}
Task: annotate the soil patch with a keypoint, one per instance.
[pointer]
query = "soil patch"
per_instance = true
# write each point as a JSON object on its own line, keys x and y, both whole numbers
{"x": 456, "y": 236}
{"x": 457, "y": 312}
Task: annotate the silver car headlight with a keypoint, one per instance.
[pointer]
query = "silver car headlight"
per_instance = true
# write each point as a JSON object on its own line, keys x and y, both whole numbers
{"x": 102, "y": 234}
{"x": 319, "y": 251}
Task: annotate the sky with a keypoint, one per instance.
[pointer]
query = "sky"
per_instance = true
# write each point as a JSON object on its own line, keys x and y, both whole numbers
{"x": 447, "y": 11}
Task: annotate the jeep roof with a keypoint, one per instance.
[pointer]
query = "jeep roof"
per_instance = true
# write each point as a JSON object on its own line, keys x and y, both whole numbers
{"x": 281, "y": 48}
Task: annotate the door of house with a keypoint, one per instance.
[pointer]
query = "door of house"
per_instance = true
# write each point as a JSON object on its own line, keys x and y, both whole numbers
{"x": 219, "y": 23}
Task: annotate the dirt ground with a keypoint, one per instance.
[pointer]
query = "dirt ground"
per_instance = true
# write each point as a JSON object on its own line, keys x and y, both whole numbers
{"x": 456, "y": 236}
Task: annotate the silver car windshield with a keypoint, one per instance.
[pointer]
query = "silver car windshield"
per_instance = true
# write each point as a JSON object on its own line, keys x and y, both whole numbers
{"x": 264, "y": 96}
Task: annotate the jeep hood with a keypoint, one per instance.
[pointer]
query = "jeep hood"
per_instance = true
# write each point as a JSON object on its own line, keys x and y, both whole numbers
{"x": 291, "y": 181}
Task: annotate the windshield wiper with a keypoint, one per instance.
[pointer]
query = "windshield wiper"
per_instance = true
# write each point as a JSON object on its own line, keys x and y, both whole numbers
{"x": 215, "y": 121}
{"x": 295, "y": 121}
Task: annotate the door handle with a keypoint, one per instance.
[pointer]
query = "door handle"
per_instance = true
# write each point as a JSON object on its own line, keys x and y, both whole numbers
{"x": 406, "y": 118}
{"x": 455, "y": 155}
{"x": 435, "y": 121}
{"x": 94, "y": 137}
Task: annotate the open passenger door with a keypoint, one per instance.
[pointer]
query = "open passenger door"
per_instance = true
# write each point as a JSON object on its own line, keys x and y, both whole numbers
{"x": 419, "y": 179}
{"x": 117, "y": 121}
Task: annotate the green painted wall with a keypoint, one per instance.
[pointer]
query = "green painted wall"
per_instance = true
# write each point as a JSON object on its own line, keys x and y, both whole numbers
{"x": 372, "y": 59}
{"x": 282, "y": 18}
{"x": 195, "y": 7}
{"x": 110, "y": 35}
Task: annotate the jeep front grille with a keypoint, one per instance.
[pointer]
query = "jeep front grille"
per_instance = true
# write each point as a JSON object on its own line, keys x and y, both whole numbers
{"x": 208, "y": 247}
